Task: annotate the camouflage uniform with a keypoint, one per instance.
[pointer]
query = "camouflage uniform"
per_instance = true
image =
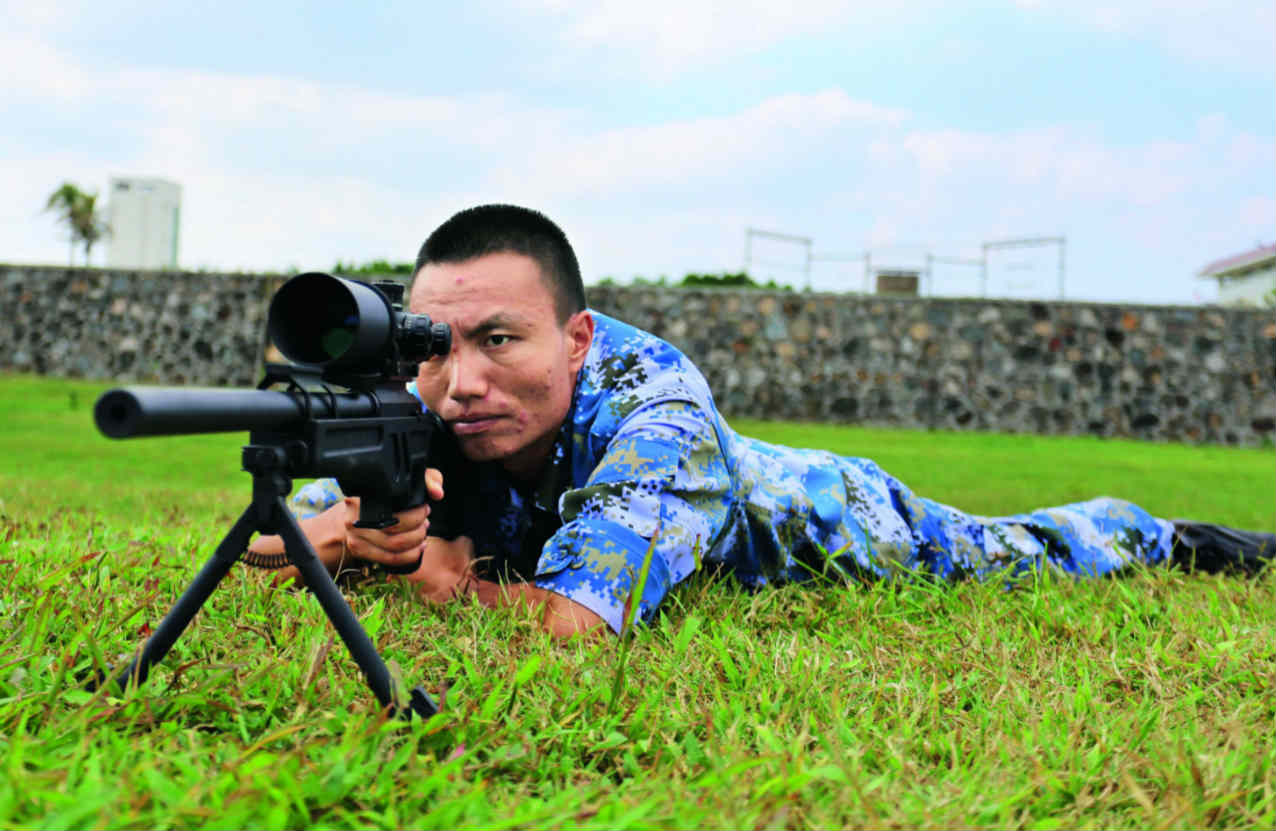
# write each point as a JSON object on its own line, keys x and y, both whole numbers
{"x": 644, "y": 455}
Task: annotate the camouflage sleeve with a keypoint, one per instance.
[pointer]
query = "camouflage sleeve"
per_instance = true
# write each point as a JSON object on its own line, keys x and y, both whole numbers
{"x": 661, "y": 486}
{"x": 315, "y": 498}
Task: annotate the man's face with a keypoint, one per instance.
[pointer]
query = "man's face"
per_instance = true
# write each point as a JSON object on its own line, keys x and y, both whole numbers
{"x": 507, "y": 384}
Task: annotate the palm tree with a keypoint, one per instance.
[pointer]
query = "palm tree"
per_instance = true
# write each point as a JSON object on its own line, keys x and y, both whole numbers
{"x": 90, "y": 225}
{"x": 79, "y": 211}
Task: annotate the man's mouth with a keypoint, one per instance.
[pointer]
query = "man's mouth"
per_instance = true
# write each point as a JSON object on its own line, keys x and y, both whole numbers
{"x": 470, "y": 425}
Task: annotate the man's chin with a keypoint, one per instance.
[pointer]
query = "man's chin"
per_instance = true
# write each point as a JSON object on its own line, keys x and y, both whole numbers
{"x": 481, "y": 449}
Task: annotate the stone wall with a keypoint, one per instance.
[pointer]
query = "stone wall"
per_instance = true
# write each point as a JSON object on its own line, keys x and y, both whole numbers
{"x": 160, "y": 327}
{"x": 1157, "y": 372}
{"x": 1201, "y": 374}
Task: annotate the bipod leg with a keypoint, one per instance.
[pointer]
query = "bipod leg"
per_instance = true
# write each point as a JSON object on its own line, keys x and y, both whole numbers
{"x": 191, "y": 601}
{"x": 302, "y": 555}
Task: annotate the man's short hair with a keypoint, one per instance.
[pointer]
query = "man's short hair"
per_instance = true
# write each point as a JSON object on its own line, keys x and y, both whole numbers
{"x": 501, "y": 229}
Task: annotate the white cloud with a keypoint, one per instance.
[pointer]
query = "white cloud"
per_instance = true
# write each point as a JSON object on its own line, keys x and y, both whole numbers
{"x": 36, "y": 17}
{"x": 694, "y": 152}
{"x": 37, "y": 71}
{"x": 1235, "y": 33}
{"x": 663, "y": 37}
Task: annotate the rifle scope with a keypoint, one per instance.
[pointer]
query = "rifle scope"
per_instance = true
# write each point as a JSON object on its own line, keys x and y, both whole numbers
{"x": 355, "y": 334}
{"x": 348, "y": 326}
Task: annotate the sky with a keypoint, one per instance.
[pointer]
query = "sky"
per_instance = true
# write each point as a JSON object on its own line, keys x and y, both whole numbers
{"x": 656, "y": 133}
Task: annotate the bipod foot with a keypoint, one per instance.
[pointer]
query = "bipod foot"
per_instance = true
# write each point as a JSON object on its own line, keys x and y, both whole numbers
{"x": 419, "y": 702}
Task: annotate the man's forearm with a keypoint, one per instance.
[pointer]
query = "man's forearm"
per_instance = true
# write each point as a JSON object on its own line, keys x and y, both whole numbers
{"x": 326, "y": 534}
{"x": 562, "y": 617}
{"x": 447, "y": 573}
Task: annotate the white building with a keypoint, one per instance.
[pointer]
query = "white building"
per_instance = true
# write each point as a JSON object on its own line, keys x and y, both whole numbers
{"x": 144, "y": 215}
{"x": 1247, "y": 279}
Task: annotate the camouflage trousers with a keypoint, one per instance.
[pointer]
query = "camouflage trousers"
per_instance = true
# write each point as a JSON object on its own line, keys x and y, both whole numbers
{"x": 1092, "y": 538}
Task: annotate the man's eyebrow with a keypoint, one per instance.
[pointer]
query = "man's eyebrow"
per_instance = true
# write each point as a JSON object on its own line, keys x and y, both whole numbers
{"x": 499, "y": 320}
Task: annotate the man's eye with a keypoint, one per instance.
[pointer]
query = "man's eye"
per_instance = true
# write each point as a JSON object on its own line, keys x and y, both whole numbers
{"x": 499, "y": 340}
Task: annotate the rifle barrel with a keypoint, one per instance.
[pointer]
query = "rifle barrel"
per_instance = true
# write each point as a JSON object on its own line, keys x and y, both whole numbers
{"x": 129, "y": 412}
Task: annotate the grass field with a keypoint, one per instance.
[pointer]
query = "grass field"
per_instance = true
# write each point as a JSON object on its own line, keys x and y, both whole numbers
{"x": 1146, "y": 701}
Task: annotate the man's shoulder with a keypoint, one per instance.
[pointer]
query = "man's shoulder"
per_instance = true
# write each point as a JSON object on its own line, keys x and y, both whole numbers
{"x": 613, "y": 336}
{"x": 628, "y": 367}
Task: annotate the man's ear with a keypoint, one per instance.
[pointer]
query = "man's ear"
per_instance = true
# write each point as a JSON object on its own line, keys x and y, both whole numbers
{"x": 580, "y": 334}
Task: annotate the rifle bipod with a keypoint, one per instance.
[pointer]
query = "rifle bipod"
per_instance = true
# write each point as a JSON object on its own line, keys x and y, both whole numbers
{"x": 269, "y": 515}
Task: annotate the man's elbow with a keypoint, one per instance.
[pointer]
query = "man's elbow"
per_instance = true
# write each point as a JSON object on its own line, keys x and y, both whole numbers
{"x": 565, "y": 618}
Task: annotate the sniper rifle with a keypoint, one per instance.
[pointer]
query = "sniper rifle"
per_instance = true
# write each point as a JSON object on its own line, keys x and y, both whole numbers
{"x": 371, "y": 435}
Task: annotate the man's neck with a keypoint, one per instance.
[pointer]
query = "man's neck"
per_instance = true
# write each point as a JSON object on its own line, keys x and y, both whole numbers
{"x": 527, "y": 467}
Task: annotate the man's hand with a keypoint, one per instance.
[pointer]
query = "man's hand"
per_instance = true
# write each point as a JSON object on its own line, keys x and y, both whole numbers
{"x": 446, "y": 570}
{"x": 400, "y": 544}
{"x": 338, "y": 543}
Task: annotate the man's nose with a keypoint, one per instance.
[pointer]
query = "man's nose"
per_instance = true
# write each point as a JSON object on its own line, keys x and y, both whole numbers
{"x": 466, "y": 379}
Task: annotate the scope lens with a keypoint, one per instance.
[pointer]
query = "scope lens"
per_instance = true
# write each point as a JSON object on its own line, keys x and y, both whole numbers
{"x": 336, "y": 341}
{"x": 316, "y": 318}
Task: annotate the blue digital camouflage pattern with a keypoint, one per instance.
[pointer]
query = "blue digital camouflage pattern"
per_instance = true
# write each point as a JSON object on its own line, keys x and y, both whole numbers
{"x": 644, "y": 455}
